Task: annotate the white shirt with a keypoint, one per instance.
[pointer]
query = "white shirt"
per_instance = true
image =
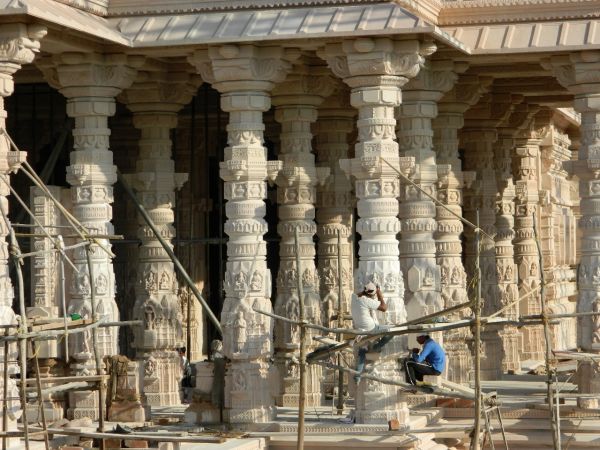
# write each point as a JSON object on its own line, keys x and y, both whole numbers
{"x": 363, "y": 312}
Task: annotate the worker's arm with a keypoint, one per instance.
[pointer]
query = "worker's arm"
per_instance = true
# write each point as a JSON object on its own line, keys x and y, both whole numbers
{"x": 382, "y": 305}
{"x": 424, "y": 353}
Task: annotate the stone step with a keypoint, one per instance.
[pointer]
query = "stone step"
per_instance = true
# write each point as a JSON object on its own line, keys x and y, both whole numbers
{"x": 543, "y": 439}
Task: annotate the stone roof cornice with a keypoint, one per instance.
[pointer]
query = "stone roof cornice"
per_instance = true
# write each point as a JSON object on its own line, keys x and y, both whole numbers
{"x": 461, "y": 12}
{"x": 143, "y": 7}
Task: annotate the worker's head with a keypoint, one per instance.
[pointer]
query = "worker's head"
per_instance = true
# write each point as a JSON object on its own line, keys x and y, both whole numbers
{"x": 181, "y": 351}
{"x": 370, "y": 288}
{"x": 421, "y": 339}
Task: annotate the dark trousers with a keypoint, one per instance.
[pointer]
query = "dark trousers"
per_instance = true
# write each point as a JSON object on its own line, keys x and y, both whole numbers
{"x": 362, "y": 354}
{"x": 415, "y": 371}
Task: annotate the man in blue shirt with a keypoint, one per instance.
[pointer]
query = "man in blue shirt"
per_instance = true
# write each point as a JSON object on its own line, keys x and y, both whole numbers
{"x": 430, "y": 361}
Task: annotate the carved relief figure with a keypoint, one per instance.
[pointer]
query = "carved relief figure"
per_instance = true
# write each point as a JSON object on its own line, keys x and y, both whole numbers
{"x": 533, "y": 271}
{"x": 508, "y": 275}
{"x": 444, "y": 275}
{"x": 455, "y": 280}
{"x": 390, "y": 282}
{"x": 256, "y": 283}
{"x": 596, "y": 275}
{"x": 428, "y": 280}
{"x": 240, "y": 281}
{"x": 165, "y": 281}
{"x": 150, "y": 316}
{"x": 596, "y": 321}
{"x": 150, "y": 282}
{"x": 239, "y": 333}
{"x": 101, "y": 284}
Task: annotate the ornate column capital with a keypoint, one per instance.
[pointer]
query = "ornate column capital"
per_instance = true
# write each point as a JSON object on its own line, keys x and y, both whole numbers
{"x": 465, "y": 93}
{"x": 305, "y": 85}
{"x": 18, "y": 45}
{"x": 578, "y": 72}
{"x": 159, "y": 92}
{"x": 243, "y": 67}
{"x": 90, "y": 74}
{"x": 376, "y": 61}
{"x": 433, "y": 81}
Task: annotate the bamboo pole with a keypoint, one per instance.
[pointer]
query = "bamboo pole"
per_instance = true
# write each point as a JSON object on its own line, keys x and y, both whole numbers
{"x": 35, "y": 219}
{"x": 63, "y": 298}
{"x": 5, "y": 393}
{"x": 475, "y": 441}
{"x": 548, "y": 342}
{"x": 401, "y": 330}
{"x": 95, "y": 342}
{"x": 47, "y": 335}
{"x": 406, "y": 386}
{"x": 340, "y": 305}
{"x": 302, "y": 387}
{"x": 15, "y": 255}
{"x": 167, "y": 247}
{"x": 34, "y": 350}
{"x": 157, "y": 437}
{"x": 437, "y": 202}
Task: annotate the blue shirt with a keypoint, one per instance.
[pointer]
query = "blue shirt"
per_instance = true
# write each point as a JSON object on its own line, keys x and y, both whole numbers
{"x": 434, "y": 354}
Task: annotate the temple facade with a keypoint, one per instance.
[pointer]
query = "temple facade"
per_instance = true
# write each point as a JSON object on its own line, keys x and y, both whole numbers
{"x": 292, "y": 145}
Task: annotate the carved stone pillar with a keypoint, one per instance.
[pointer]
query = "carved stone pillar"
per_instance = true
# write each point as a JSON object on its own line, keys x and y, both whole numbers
{"x": 479, "y": 137}
{"x": 335, "y": 202}
{"x": 504, "y": 342}
{"x": 155, "y": 101}
{"x": 451, "y": 180}
{"x": 506, "y": 269}
{"x": 90, "y": 82}
{"x": 579, "y": 73}
{"x": 422, "y": 292}
{"x": 526, "y": 168}
{"x": 296, "y": 101}
{"x": 245, "y": 75}
{"x": 559, "y": 234}
{"x": 46, "y": 285}
{"x": 375, "y": 69}
{"x": 20, "y": 43}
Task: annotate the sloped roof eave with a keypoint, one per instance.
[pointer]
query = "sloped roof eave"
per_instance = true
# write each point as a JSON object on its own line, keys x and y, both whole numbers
{"x": 276, "y": 25}
{"x": 65, "y": 16}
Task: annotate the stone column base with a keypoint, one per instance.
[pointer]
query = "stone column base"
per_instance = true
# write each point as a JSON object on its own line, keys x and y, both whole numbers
{"x": 83, "y": 404}
{"x": 126, "y": 411}
{"x": 378, "y": 403}
{"x": 249, "y": 389}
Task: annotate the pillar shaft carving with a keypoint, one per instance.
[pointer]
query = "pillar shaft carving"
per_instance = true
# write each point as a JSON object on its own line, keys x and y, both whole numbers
{"x": 90, "y": 82}
{"x": 506, "y": 269}
{"x": 451, "y": 180}
{"x": 558, "y": 234}
{"x": 245, "y": 75}
{"x": 479, "y": 137}
{"x": 376, "y": 69}
{"x": 335, "y": 206}
{"x": 154, "y": 103}
{"x": 335, "y": 201}
{"x": 296, "y": 102}
{"x": 579, "y": 73}
{"x": 422, "y": 292}
{"x": 526, "y": 168}
{"x": 19, "y": 44}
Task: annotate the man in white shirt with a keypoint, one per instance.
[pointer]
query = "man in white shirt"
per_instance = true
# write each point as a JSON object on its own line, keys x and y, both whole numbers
{"x": 363, "y": 307}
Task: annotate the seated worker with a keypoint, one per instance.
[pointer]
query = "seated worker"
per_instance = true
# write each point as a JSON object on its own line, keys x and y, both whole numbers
{"x": 430, "y": 361}
{"x": 363, "y": 306}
